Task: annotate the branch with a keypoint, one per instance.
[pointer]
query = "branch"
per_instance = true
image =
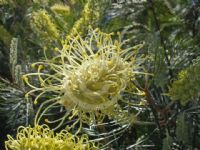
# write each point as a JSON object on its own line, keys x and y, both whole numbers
{"x": 157, "y": 22}
{"x": 154, "y": 109}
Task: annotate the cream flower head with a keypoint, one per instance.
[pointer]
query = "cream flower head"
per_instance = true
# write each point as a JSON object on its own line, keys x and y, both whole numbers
{"x": 88, "y": 76}
{"x": 42, "y": 138}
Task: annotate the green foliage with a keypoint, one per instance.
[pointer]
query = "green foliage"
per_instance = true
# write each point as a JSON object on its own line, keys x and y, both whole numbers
{"x": 13, "y": 107}
{"x": 167, "y": 142}
{"x": 182, "y": 130}
{"x": 5, "y": 36}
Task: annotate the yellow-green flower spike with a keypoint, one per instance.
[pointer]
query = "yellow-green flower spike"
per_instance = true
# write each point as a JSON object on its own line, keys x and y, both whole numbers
{"x": 42, "y": 24}
{"x": 42, "y": 138}
{"x": 187, "y": 87}
{"x": 61, "y": 9}
{"x": 90, "y": 15}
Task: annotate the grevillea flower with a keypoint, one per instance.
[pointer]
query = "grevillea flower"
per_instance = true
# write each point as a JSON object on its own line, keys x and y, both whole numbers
{"x": 88, "y": 76}
{"x": 42, "y": 138}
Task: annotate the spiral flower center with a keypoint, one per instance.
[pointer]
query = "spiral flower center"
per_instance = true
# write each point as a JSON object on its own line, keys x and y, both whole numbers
{"x": 97, "y": 82}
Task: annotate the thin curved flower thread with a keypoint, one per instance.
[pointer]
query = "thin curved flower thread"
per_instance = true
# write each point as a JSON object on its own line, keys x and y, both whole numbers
{"x": 42, "y": 138}
{"x": 89, "y": 76}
